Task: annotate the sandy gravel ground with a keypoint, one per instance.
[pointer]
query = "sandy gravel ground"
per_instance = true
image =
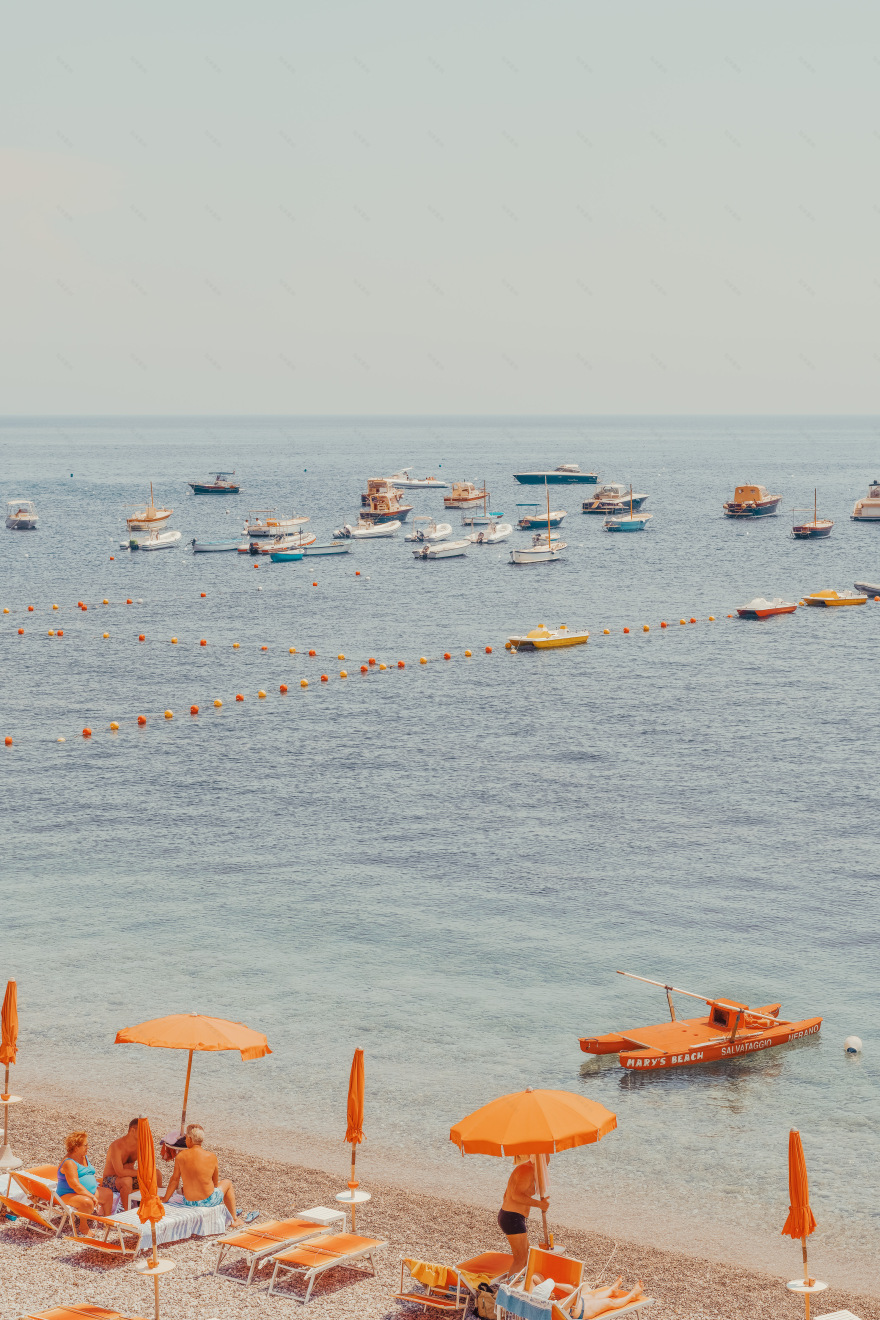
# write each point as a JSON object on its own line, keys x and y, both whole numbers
{"x": 36, "y": 1273}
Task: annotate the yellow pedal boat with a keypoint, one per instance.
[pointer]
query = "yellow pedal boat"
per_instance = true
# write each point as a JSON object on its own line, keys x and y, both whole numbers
{"x": 542, "y": 639}
{"x": 835, "y": 598}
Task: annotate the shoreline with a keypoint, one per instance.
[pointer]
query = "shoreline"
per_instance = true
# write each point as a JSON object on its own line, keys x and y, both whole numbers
{"x": 39, "y": 1272}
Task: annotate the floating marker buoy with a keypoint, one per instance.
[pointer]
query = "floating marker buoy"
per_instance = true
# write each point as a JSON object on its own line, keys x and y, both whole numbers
{"x": 256, "y": 565}
{"x": 30, "y": 609}
{"x": 693, "y": 620}
{"x": 401, "y": 664}
{"x": 304, "y": 682}
{"x": 261, "y": 694}
{"x": 64, "y": 739}
{"x": 239, "y": 696}
{"x": 662, "y": 625}
{"x": 313, "y": 652}
{"x": 21, "y": 632}
{"x": 217, "y": 702}
{"x": 51, "y": 632}
{"x": 324, "y": 678}
{"x": 340, "y": 657}
{"x": 85, "y": 608}
{"x": 357, "y": 572}
{"x": 711, "y": 618}
{"x": 54, "y": 607}
{"x": 193, "y": 710}
{"x": 87, "y": 733}
{"x": 283, "y": 688}
{"x": 364, "y": 669}
{"x": 169, "y": 714}
{"x": 292, "y": 650}
{"x": 235, "y": 646}
{"x": 264, "y": 648}
{"x": 112, "y": 557}
{"x": 8, "y": 741}
{"x": 606, "y": 632}
{"x": 314, "y": 584}
{"x": 422, "y": 660}
{"x": 343, "y": 673}
{"x": 645, "y": 628}
{"x": 173, "y": 639}
{"x": 114, "y": 726}
{"x": 105, "y": 601}
{"x": 730, "y": 616}
{"x": 446, "y": 655}
{"x": 626, "y": 630}
{"x": 852, "y": 1044}
{"x": 877, "y": 597}
{"x": 508, "y": 646}
{"x": 682, "y": 620}
{"x": 203, "y": 642}
{"x": 467, "y": 653}
{"x": 141, "y": 637}
{"x": 6, "y": 611}
{"x": 204, "y": 594}
{"x": 128, "y": 600}
{"x": 142, "y": 719}
{"x": 383, "y": 666}
{"x": 59, "y": 632}
{"x": 371, "y": 661}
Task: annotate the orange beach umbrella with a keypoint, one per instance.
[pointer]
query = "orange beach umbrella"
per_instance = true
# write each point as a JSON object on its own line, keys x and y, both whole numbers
{"x": 150, "y": 1208}
{"x": 354, "y": 1131}
{"x": 801, "y": 1221}
{"x": 193, "y": 1031}
{"x": 9, "y": 1029}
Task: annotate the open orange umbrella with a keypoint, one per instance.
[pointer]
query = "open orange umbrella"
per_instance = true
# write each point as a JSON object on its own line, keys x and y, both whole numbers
{"x": 150, "y": 1208}
{"x": 354, "y": 1131}
{"x": 8, "y": 1052}
{"x": 193, "y": 1031}
{"x": 533, "y": 1123}
{"x": 801, "y": 1221}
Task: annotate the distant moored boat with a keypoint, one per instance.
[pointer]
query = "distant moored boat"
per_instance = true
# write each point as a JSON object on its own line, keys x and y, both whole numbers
{"x": 223, "y": 484}
{"x": 567, "y": 474}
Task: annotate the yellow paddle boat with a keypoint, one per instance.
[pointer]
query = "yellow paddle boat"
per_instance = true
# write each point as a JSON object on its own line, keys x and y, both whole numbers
{"x": 835, "y": 598}
{"x": 542, "y": 639}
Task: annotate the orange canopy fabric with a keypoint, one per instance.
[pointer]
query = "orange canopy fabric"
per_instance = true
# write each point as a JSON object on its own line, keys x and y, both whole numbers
{"x": 533, "y": 1123}
{"x": 151, "y": 1209}
{"x": 192, "y": 1031}
{"x": 801, "y": 1221}
{"x": 354, "y": 1132}
{"x": 9, "y": 1025}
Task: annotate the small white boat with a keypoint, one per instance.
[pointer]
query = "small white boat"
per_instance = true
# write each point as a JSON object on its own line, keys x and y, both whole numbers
{"x": 21, "y": 515}
{"x": 537, "y": 554}
{"x": 864, "y": 510}
{"x": 213, "y": 547}
{"x": 491, "y": 535}
{"x": 442, "y": 550}
{"x": 332, "y": 548}
{"x": 364, "y": 530}
{"x": 406, "y": 479}
{"x": 149, "y": 517}
{"x": 540, "y": 538}
{"x": 429, "y": 531}
{"x": 154, "y": 540}
{"x": 265, "y": 522}
{"x": 626, "y": 524}
{"x": 291, "y": 541}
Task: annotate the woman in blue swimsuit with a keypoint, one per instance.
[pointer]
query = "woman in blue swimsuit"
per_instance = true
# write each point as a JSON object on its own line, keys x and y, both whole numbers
{"x": 78, "y": 1179}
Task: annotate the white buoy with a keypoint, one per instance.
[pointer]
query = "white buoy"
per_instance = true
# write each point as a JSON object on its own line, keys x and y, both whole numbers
{"x": 852, "y": 1045}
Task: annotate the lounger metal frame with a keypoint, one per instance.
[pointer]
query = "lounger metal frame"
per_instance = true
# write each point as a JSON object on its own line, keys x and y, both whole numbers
{"x": 104, "y": 1245}
{"x": 43, "y": 1198}
{"x": 310, "y": 1273}
{"x": 260, "y": 1256}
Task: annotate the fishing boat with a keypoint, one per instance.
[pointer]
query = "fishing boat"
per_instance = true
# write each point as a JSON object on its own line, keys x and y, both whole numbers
{"x": 759, "y": 608}
{"x": 223, "y": 484}
{"x": 146, "y": 518}
{"x": 868, "y": 509}
{"x": 464, "y": 495}
{"x": 830, "y": 598}
{"x": 751, "y": 502}
{"x": 611, "y": 498}
{"x": 213, "y": 547}
{"x": 154, "y": 540}
{"x": 290, "y": 556}
{"x": 21, "y": 515}
{"x": 542, "y": 639}
{"x": 365, "y": 530}
{"x": 818, "y": 527}
{"x": 265, "y": 522}
{"x": 382, "y": 503}
{"x": 729, "y": 1031}
{"x": 442, "y": 550}
{"x": 552, "y": 517}
{"x": 429, "y": 531}
{"x": 567, "y": 474}
{"x": 330, "y": 548}
{"x": 405, "y": 479}
{"x": 491, "y": 535}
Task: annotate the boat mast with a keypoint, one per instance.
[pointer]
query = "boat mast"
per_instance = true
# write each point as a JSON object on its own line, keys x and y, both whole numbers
{"x": 547, "y": 489}
{"x": 768, "y": 1017}
{"x": 815, "y": 498}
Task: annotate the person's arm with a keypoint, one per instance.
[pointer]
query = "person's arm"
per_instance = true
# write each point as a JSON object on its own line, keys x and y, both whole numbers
{"x": 215, "y": 1172}
{"x": 68, "y": 1168}
{"x": 172, "y": 1181}
{"x": 525, "y": 1176}
{"x": 117, "y": 1164}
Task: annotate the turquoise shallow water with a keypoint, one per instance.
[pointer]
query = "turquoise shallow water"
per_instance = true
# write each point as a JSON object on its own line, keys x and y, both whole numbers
{"x": 446, "y": 864}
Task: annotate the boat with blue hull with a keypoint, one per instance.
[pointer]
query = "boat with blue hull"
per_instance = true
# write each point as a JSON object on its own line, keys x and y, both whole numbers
{"x": 224, "y": 483}
{"x": 286, "y": 556}
{"x": 612, "y": 497}
{"x": 751, "y": 502}
{"x": 567, "y": 474}
{"x": 530, "y": 521}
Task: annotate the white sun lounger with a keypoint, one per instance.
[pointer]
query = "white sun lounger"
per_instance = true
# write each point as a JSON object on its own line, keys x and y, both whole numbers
{"x": 320, "y": 1255}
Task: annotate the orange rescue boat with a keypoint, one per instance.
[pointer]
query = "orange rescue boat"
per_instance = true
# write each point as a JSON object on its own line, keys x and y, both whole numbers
{"x": 730, "y": 1029}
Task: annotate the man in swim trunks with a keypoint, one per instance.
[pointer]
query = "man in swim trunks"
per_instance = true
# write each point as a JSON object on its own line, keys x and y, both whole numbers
{"x": 519, "y": 1197}
{"x": 198, "y": 1174}
{"x": 120, "y": 1169}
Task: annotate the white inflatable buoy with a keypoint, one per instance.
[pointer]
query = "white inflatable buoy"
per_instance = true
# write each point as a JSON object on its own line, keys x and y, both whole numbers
{"x": 852, "y": 1045}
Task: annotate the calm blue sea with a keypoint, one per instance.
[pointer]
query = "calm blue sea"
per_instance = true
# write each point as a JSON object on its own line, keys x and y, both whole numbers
{"x": 446, "y": 864}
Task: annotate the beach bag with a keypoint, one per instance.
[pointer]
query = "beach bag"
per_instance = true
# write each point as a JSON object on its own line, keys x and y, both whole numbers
{"x": 484, "y": 1302}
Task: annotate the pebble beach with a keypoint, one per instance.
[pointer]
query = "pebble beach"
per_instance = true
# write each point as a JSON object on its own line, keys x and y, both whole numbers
{"x": 36, "y": 1273}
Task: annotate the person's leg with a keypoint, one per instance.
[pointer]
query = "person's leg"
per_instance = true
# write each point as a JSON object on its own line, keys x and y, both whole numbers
{"x": 124, "y": 1187}
{"x": 519, "y": 1245}
{"x": 105, "y": 1200}
{"x": 228, "y": 1191}
{"x": 82, "y": 1203}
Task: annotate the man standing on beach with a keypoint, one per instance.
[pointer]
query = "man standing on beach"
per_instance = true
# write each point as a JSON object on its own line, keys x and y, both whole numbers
{"x": 197, "y": 1172}
{"x": 120, "y": 1170}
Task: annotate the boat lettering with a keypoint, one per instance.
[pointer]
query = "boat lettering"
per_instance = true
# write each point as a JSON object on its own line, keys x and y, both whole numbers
{"x": 745, "y": 1046}
{"x": 807, "y": 1031}
{"x": 687, "y": 1058}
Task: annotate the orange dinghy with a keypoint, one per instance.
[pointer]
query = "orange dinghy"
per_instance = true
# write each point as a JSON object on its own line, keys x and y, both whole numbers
{"x": 730, "y": 1029}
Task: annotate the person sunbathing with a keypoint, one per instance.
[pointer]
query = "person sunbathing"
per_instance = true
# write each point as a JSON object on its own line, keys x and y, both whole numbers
{"x": 599, "y": 1301}
{"x": 78, "y": 1179}
{"x": 197, "y": 1172}
{"x": 120, "y": 1169}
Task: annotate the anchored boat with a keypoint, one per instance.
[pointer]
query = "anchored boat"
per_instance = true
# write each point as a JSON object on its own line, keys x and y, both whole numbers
{"x": 405, "y": 479}
{"x": 223, "y": 484}
{"x": 265, "y": 522}
{"x": 731, "y": 1029}
{"x": 382, "y": 503}
{"x": 465, "y": 495}
{"x": 21, "y": 515}
{"x": 552, "y": 518}
{"x": 364, "y": 529}
{"x": 612, "y": 497}
{"x": 759, "y": 608}
{"x": 491, "y": 535}
{"x": 751, "y": 502}
{"x": 442, "y": 550}
{"x": 154, "y": 540}
{"x": 542, "y": 639}
{"x": 567, "y": 474}
{"x": 809, "y": 530}
{"x": 213, "y": 547}
{"x": 145, "y": 519}
{"x": 868, "y": 509}
{"x": 429, "y": 531}
{"x": 830, "y": 598}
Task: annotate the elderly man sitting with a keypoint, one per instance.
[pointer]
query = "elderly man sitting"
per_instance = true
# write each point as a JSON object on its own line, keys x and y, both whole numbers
{"x": 197, "y": 1172}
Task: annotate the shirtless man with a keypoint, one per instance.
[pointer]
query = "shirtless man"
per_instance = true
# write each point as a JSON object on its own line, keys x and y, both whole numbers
{"x": 197, "y": 1172}
{"x": 120, "y": 1170}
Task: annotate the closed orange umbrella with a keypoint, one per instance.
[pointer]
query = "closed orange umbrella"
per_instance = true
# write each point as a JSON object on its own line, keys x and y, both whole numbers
{"x": 8, "y": 1051}
{"x": 801, "y": 1221}
{"x": 193, "y": 1031}
{"x": 533, "y": 1123}
{"x": 150, "y": 1208}
{"x": 354, "y": 1131}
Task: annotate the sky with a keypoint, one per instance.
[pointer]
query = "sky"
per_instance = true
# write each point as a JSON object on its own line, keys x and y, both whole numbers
{"x": 394, "y": 207}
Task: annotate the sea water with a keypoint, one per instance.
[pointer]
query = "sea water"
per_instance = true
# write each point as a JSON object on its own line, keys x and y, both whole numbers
{"x": 446, "y": 864}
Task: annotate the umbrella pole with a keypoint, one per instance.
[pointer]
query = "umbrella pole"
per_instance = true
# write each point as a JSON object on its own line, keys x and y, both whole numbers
{"x": 807, "y": 1280}
{"x": 186, "y": 1094}
{"x": 352, "y": 1185}
{"x": 155, "y": 1262}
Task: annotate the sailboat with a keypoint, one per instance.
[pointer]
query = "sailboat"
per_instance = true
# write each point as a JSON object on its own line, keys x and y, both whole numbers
{"x": 541, "y": 551}
{"x": 818, "y": 527}
{"x": 630, "y": 524}
{"x": 480, "y": 519}
{"x": 145, "y": 520}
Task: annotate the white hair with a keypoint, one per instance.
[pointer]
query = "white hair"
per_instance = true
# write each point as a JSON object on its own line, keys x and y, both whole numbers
{"x": 196, "y": 1133}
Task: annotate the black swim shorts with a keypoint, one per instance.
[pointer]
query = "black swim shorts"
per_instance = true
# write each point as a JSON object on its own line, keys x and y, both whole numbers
{"x": 511, "y": 1224}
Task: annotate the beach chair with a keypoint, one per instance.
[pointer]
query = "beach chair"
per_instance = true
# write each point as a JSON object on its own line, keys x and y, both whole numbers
{"x": 29, "y": 1215}
{"x": 566, "y": 1273}
{"x": 461, "y": 1284}
{"x": 83, "y": 1312}
{"x": 322, "y": 1254}
{"x": 114, "y": 1245}
{"x": 44, "y": 1198}
{"x": 262, "y": 1240}
{"x": 442, "y": 1295}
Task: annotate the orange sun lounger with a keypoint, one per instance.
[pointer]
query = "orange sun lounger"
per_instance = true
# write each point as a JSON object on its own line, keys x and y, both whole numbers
{"x": 491, "y": 1265}
{"x": 29, "y": 1215}
{"x": 566, "y": 1272}
{"x": 105, "y": 1245}
{"x": 263, "y": 1240}
{"x": 322, "y": 1254}
{"x": 84, "y": 1312}
{"x": 43, "y": 1198}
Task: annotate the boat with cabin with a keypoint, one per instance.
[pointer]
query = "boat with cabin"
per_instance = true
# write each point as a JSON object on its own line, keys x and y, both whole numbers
{"x": 870, "y": 588}
{"x": 288, "y": 541}
{"x": 224, "y": 483}
{"x": 405, "y": 479}
{"x": 751, "y": 502}
{"x": 730, "y": 1030}
{"x": 366, "y": 530}
{"x": 567, "y": 474}
{"x": 465, "y": 495}
{"x": 266, "y": 522}
{"x": 612, "y": 497}
{"x": 550, "y": 518}
{"x": 818, "y": 527}
{"x": 759, "y": 608}
{"x": 149, "y": 516}
{"x": 544, "y": 639}
{"x": 442, "y": 550}
{"x": 429, "y": 530}
{"x": 868, "y": 509}
{"x": 21, "y": 516}
{"x": 833, "y": 598}
{"x": 382, "y": 502}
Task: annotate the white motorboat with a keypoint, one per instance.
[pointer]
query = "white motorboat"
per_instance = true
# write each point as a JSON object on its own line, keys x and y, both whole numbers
{"x": 265, "y": 522}
{"x": 21, "y": 516}
{"x": 290, "y": 541}
{"x": 864, "y": 510}
{"x": 429, "y": 531}
{"x": 537, "y": 554}
{"x": 491, "y": 535}
{"x": 567, "y": 474}
{"x": 331, "y": 548}
{"x": 364, "y": 530}
{"x": 154, "y": 540}
{"x": 443, "y": 550}
{"x": 212, "y": 547}
{"x": 540, "y": 538}
{"x": 406, "y": 479}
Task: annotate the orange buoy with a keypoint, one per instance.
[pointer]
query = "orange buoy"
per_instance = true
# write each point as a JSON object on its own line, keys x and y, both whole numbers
{"x": 488, "y": 650}
{"x": 340, "y": 657}
{"x": 663, "y": 625}
{"x": 105, "y": 601}
{"x": 217, "y": 701}
{"x": 193, "y": 710}
{"x": 357, "y": 572}
{"x": 371, "y": 661}
{"x": 203, "y": 642}
{"x": 877, "y": 597}
{"x": 324, "y": 678}
{"x": 693, "y": 620}
{"x": 141, "y": 637}
{"x": 314, "y": 584}
{"x": 304, "y": 682}
{"x": 711, "y": 618}
{"x": 239, "y": 696}
{"x": 7, "y": 740}
{"x": 261, "y": 694}
{"x": 112, "y": 556}
{"x": 21, "y": 632}
{"x": 626, "y": 630}
{"x": 313, "y": 652}
{"x": 204, "y": 594}
{"x": 54, "y": 607}
{"x": 113, "y": 726}
{"x": 422, "y": 660}
{"x": 235, "y": 646}
{"x": 446, "y": 655}
{"x": 401, "y": 664}
{"x": 264, "y": 648}
{"x": 508, "y": 646}
{"x": 682, "y": 620}
{"x": 142, "y": 719}
{"x": 645, "y": 628}
{"x": 292, "y": 650}
{"x": 343, "y": 673}
{"x": 283, "y": 688}
{"x": 169, "y": 714}
{"x": 129, "y": 601}
{"x": 6, "y": 611}
{"x": 467, "y": 653}
{"x": 51, "y": 632}
{"x": 256, "y": 565}
{"x": 383, "y": 666}
{"x": 364, "y": 669}
{"x": 59, "y": 632}
{"x": 30, "y": 609}
{"x": 87, "y": 733}
{"x": 606, "y": 632}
